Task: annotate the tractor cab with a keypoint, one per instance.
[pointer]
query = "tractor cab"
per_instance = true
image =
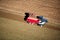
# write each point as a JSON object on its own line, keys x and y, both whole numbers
{"x": 43, "y": 20}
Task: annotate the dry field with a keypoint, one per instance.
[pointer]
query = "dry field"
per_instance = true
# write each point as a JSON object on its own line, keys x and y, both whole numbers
{"x": 13, "y": 27}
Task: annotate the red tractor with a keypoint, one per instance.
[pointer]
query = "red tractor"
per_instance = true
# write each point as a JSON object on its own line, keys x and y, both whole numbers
{"x": 39, "y": 20}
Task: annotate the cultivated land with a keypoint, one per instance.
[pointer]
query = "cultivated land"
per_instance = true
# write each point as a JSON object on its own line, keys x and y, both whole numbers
{"x": 18, "y": 30}
{"x": 13, "y": 27}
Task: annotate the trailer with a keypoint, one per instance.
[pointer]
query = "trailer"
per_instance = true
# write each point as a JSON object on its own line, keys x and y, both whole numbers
{"x": 32, "y": 20}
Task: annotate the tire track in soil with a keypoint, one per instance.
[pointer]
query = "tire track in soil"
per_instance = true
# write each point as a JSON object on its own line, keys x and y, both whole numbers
{"x": 20, "y": 18}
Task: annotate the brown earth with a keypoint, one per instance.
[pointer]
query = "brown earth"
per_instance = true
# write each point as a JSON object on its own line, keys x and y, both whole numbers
{"x": 21, "y": 19}
{"x": 49, "y": 9}
{"x": 13, "y": 27}
{"x": 15, "y": 9}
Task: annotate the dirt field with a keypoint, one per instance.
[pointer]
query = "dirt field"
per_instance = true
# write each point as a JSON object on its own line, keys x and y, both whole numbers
{"x": 13, "y": 27}
{"x": 49, "y": 9}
